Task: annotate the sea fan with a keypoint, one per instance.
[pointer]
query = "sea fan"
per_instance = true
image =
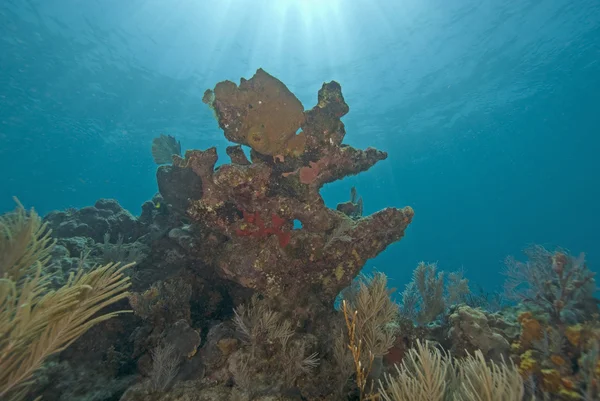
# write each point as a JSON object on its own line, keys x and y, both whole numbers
{"x": 559, "y": 284}
{"x": 164, "y": 147}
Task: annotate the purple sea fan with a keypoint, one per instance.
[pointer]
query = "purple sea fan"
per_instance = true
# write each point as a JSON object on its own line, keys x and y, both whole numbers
{"x": 557, "y": 283}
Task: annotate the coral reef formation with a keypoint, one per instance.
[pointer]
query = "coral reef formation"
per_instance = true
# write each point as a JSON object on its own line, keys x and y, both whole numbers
{"x": 470, "y": 330}
{"x": 251, "y": 206}
{"x": 105, "y": 217}
{"x": 247, "y": 287}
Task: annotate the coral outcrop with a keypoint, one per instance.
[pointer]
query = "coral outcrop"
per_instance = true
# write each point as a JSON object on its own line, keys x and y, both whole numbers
{"x": 470, "y": 331}
{"x": 105, "y": 217}
{"x": 237, "y": 268}
{"x": 250, "y": 206}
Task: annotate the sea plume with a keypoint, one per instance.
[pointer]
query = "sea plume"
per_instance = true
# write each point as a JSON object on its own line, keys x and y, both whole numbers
{"x": 35, "y": 321}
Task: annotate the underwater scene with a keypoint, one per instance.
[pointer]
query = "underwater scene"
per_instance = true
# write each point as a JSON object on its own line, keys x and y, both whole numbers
{"x": 287, "y": 200}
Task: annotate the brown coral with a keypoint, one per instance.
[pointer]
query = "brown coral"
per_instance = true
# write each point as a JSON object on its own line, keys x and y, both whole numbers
{"x": 531, "y": 330}
{"x": 280, "y": 185}
{"x": 261, "y": 113}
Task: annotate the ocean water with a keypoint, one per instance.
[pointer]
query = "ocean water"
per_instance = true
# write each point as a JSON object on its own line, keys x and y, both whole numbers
{"x": 490, "y": 111}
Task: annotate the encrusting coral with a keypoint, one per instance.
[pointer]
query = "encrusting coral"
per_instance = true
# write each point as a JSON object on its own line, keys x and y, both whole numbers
{"x": 428, "y": 374}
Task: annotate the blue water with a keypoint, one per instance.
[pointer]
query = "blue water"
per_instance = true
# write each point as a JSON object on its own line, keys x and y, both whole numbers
{"x": 490, "y": 111}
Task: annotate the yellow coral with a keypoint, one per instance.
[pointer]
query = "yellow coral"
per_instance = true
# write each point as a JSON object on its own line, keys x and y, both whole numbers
{"x": 573, "y": 334}
{"x": 569, "y": 394}
{"x": 261, "y": 112}
{"x": 339, "y": 272}
{"x": 528, "y": 364}
{"x": 551, "y": 380}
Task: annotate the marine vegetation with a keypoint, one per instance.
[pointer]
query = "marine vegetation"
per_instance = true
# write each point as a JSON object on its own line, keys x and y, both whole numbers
{"x": 35, "y": 321}
{"x": 557, "y": 349}
{"x": 164, "y": 147}
{"x": 244, "y": 285}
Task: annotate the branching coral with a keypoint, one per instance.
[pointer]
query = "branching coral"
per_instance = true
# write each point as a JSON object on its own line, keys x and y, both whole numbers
{"x": 429, "y": 293}
{"x": 590, "y": 366}
{"x": 482, "y": 381}
{"x": 258, "y": 323}
{"x": 165, "y": 366}
{"x": 355, "y": 345}
{"x": 555, "y": 282}
{"x": 249, "y": 206}
{"x": 557, "y": 289}
{"x": 25, "y": 243}
{"x": 118, "y": 252}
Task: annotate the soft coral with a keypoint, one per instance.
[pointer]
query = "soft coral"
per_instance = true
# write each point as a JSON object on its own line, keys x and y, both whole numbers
{"x": 559, "y": 284}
